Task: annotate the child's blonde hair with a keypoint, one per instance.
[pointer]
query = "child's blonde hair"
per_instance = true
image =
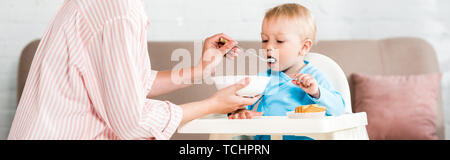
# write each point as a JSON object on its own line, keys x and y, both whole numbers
{"x": 297, "y": 12}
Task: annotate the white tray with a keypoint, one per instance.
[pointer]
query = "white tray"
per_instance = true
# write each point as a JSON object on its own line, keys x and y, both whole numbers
{"x": 275, "y": 125}
{"x": 294, "y": 115}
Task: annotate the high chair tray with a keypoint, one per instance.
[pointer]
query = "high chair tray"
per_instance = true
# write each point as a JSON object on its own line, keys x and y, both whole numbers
{"x": 274, "y": 125}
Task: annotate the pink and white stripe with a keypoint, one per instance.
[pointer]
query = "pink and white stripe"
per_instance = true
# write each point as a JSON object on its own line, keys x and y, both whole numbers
{"x": 90, "y": 78}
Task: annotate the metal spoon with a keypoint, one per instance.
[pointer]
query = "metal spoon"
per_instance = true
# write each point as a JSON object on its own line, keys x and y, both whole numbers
{"x": 222, "y": 41}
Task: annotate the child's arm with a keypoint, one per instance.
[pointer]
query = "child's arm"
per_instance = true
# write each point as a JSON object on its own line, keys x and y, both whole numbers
{"x": 308, "y": 83}
{"x": 321, "y": 93}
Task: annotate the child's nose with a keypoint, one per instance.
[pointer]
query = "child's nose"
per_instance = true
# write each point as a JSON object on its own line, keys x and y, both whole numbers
{"x": 270, "y": 50}
{"x": 269, "y": 46}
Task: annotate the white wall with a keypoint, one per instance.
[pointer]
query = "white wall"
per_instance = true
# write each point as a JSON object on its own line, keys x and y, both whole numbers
{"x": 24, "y": 20}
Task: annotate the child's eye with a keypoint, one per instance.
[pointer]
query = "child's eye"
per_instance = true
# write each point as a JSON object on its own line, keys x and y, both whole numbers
{"x": 280, "y": 41}
{"x": 265, "y": 41}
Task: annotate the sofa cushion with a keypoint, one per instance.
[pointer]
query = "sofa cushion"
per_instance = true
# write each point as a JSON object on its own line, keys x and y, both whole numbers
{"x": 398, "y": 107}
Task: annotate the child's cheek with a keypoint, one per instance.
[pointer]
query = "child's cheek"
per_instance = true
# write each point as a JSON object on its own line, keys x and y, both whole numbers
{"x": 287, "y": 57}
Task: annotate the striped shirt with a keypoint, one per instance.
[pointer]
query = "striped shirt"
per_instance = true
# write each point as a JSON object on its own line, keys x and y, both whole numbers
{"x": 90, "y": 78}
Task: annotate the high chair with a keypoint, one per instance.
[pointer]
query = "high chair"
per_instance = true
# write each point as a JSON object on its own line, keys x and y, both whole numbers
{"x": 346, "y": 126}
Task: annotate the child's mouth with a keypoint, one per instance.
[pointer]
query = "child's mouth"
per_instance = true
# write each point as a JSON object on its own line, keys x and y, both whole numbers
{"x": 271, "y": 60}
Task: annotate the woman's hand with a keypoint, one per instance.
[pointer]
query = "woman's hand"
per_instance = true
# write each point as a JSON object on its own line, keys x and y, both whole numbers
{"x": 244, "y": 114}
{"x": 214, "y": 51}
{"x": 308, "y": 83}
{"x": 223, "y": 101}
{"x": 226, "y": 101}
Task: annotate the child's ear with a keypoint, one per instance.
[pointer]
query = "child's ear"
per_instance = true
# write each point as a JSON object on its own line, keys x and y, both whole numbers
{"x": 306, "y": 47}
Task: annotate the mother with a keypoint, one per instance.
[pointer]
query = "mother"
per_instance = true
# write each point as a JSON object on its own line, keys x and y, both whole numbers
{"x": 91, "y": 77}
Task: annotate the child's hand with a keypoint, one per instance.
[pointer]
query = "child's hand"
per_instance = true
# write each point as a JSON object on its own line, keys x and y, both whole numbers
{"x": 308, "y": 83}
{"x": 244, "y": 114}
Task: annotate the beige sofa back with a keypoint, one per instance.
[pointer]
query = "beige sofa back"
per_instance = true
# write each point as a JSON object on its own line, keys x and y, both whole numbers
{"x": 395, "y": 56}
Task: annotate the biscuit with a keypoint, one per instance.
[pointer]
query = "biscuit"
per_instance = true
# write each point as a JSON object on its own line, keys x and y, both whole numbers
{"x": 310, "y": 108}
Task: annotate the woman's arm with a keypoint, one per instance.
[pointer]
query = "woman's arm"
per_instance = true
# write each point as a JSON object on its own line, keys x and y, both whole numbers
{"x": 121, "y": 91}
{"x": 166, "y": 83}
{"x": 212, "y": 54}
{"x": 222, "y": 102}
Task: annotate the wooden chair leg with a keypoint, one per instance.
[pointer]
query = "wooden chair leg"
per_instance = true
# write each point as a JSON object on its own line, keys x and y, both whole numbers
{"x": 276, "y": 137}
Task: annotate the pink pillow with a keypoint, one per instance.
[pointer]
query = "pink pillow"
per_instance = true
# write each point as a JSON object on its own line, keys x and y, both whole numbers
{"x": 398, "y": 107}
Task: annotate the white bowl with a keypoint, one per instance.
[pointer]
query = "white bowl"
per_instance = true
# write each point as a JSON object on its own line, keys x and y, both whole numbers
{"x": 256, "y": 86}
